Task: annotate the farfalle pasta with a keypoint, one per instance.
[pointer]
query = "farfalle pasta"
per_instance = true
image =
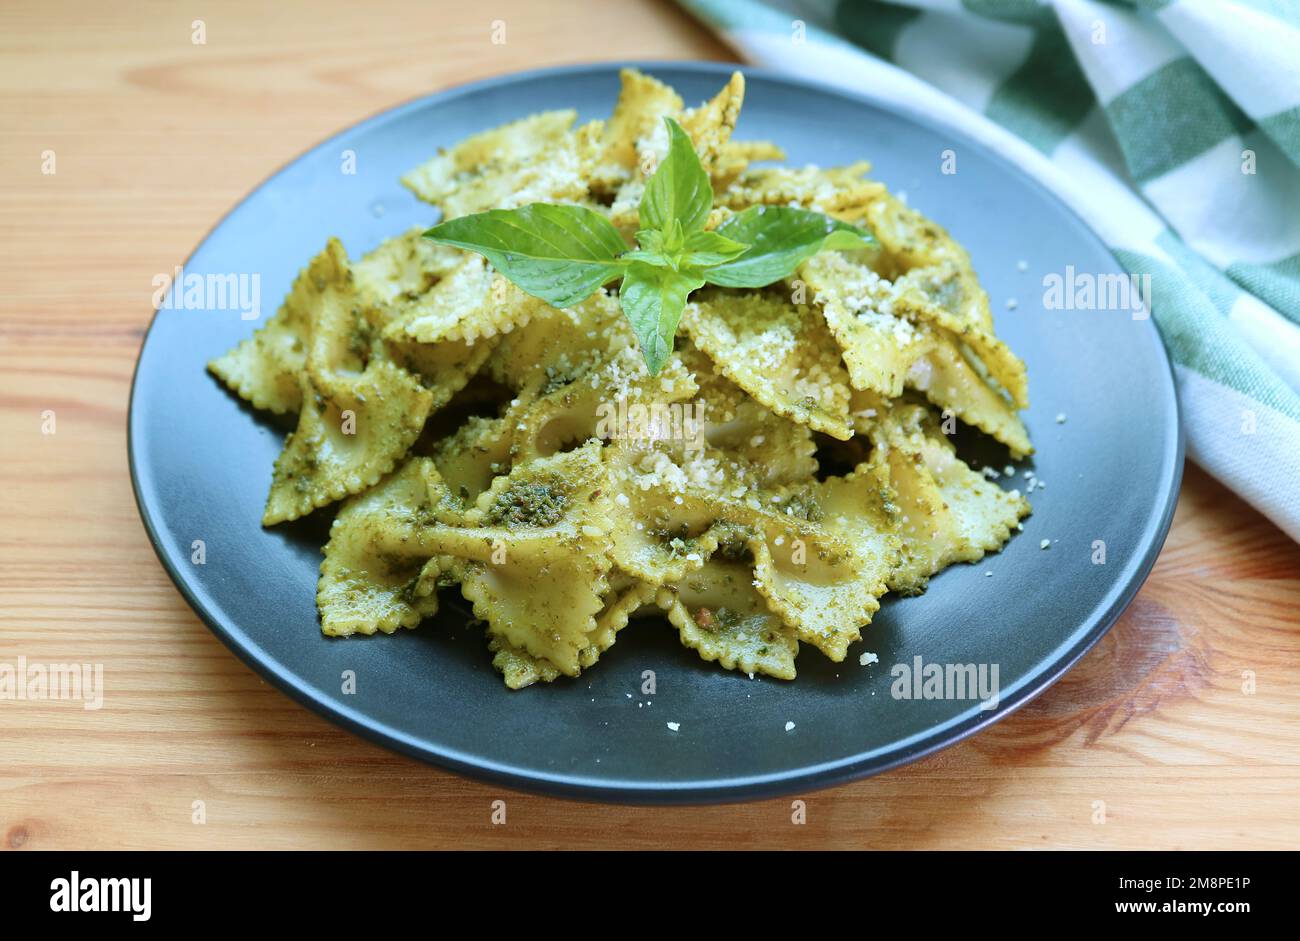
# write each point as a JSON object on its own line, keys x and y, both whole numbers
{"x": 785, "y": 467}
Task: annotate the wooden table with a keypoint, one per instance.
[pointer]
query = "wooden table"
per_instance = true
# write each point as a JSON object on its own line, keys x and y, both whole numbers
{"x": 154, "y": 138}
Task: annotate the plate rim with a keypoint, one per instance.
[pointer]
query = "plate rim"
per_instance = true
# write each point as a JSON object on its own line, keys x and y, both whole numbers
{"x": 722, "y": 790}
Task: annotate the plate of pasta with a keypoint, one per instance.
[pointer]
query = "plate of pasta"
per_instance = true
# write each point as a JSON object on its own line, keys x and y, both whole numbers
{"x": 653, "y": 433}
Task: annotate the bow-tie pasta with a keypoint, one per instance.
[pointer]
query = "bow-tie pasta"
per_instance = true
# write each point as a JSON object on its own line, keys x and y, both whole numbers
{"x": 789, "y": 465}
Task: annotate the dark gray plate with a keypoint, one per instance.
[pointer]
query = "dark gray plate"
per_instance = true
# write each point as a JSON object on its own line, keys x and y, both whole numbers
{"x": 201, "y": 463}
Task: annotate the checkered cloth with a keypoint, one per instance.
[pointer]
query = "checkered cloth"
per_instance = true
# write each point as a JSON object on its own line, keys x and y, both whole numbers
{"x": 1171, "y": 126}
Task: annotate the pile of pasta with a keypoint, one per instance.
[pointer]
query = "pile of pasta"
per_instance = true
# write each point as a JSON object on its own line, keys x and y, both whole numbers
{"x": 458, "y": 418}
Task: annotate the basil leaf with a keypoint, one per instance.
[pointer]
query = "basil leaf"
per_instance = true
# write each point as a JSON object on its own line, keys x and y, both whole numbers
{"x": 651, "y": 240}
{"x": 650, "y": 257}
{"x": 780, "y": 238}
{"x": 653, "y": 299}
{"x": 679, "y": 189}
{"x": 705, "y": 249}
{"x": 699, "y": 250}
{"x": 561, "y": 254}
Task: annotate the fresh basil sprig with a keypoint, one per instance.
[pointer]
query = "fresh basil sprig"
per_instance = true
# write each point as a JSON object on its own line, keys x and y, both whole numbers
{"x": 563, "y": 253}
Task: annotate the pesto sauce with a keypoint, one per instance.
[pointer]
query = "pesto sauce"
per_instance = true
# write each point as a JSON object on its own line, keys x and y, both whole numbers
{"x": 529, "y": 504}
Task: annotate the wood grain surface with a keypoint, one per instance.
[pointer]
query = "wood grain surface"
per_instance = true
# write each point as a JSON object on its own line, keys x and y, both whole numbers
{"x": 154, "y": 138}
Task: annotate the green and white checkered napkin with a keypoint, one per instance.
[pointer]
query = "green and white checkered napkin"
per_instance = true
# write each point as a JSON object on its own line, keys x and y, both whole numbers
{"x": 1171, "y": 126}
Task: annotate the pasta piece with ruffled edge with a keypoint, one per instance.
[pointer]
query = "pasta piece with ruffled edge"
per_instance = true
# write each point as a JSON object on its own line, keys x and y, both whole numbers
{"x": 947, "y": 512}
{"x": 360, "y": 413}
{"x": 736, "y": 156}
{"x": 719, "y": 615}
{"x": 368, "y": 576}
{"x": 675, "y": 501}
{"x": 828, "y": 584}
{"x": 658, "y": 536}
{"x": 818, "y": 574}
{"x": 909, "y": 241}
{"x": 472, "y": 457}
{"x": 519, "y": 668}
{"x": 776, "y": 449}
{"x": 642, "y": 104}
{"x": 951, "y": 381}
{"x": 549, "y": 415}
{"x": 557, "y": 342}
{"x": 872, "y": 318}
{"x": 471, "y": 303}
{"x": 627, "y": 597}
{"x": 347, "y": 442}
{"x": 891, "y": 333}
{"x": 878, "y": 347}
{"x": 443, "y": 368}
{"x": 596, "y": 401}
{"x": 404, "y": 267}
{"x": 530, "y": 556}
{"x": 565, "y": 400}
{"x": 778, "y": 352}
{"x": 553, "y": 176}
{"x": 264, "y": 368}
{"x": 885, "y": 354}
{"x": 537, "y": 566}
{"x": 636, "y": 139}
{"x": 710, "y": 125}
{"x": 923, "y": 295}
{"x": 535, "y": 159}
{"x": 840, "y": 192}
{"x": 397, "y": 276}
{"x": 819, "y": 583}
{"x": 675, "y": 497}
